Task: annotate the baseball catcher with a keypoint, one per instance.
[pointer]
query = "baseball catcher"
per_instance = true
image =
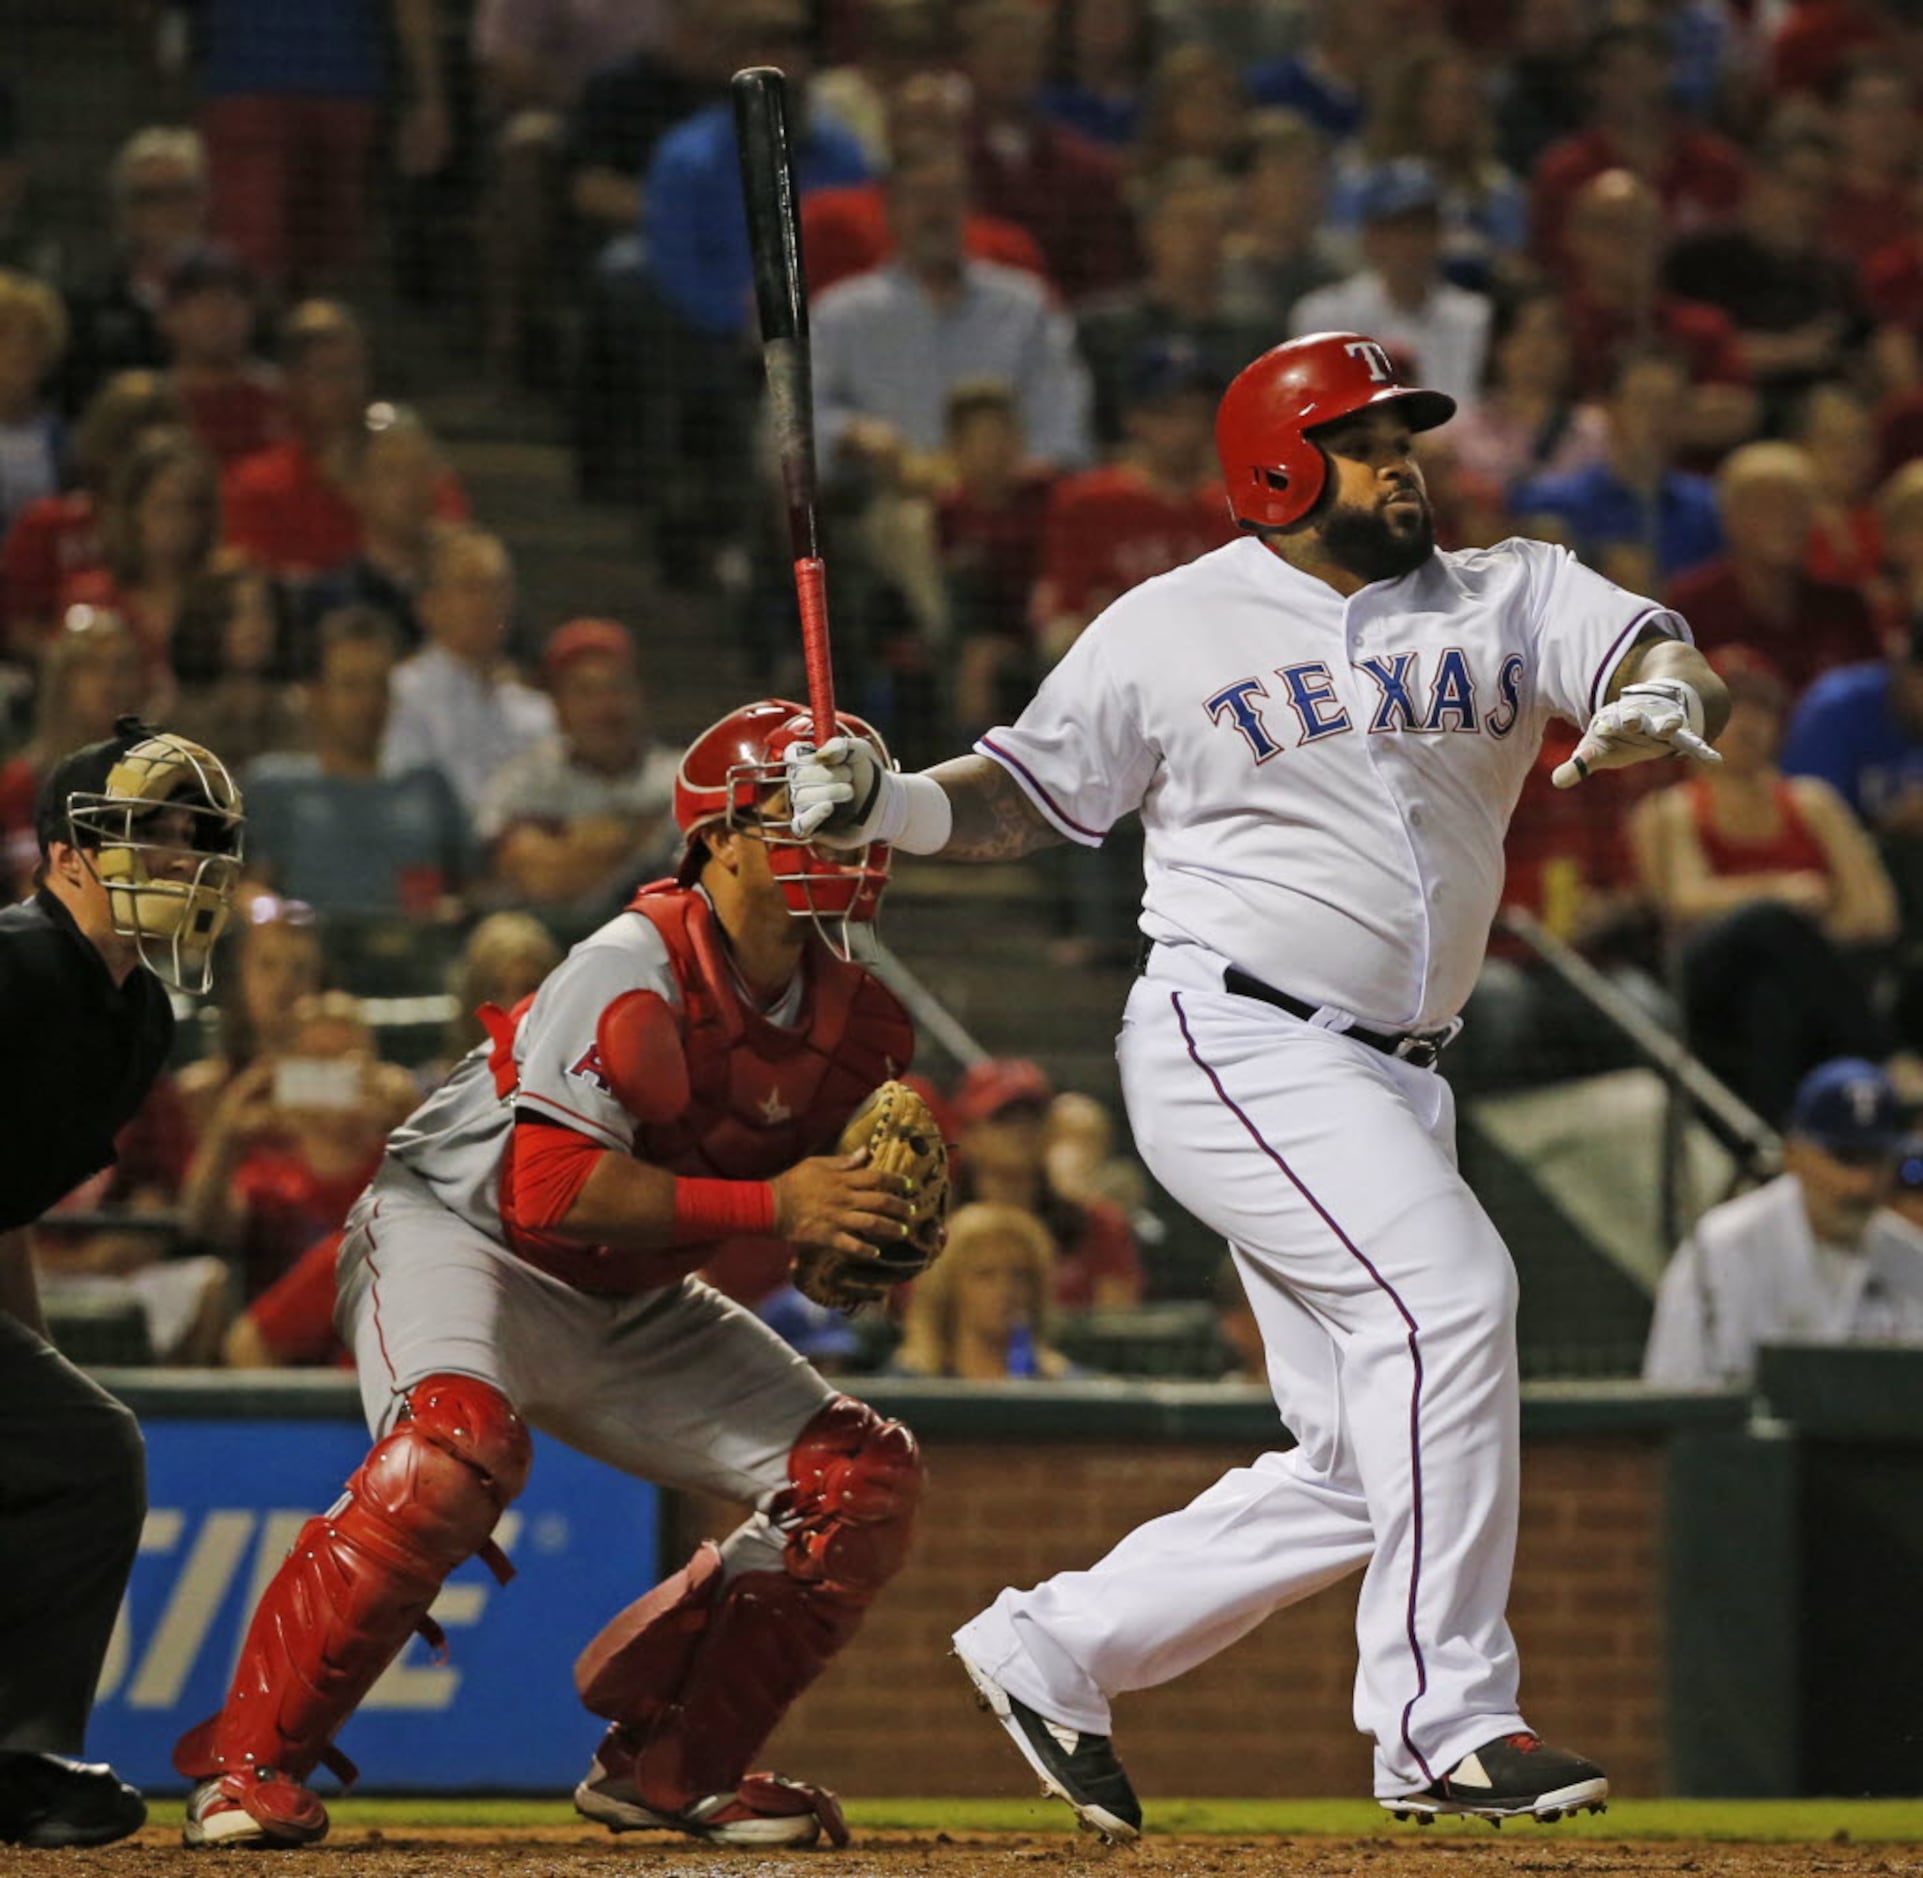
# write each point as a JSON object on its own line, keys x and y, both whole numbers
{"x": 524, "y": 1256}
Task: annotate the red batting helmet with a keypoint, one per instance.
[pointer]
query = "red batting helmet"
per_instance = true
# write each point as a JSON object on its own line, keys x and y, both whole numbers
{"x": 1274, "y": 471}
{"x": 732, "y": 766}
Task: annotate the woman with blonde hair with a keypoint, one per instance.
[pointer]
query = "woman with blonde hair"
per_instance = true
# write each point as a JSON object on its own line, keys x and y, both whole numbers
{"x": 982, "y": 1312}
{"x": 504, "y": 960}
{"x": 90, "y": 673}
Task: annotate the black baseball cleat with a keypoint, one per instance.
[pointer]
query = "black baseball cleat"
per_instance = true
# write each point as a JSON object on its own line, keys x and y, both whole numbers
{"x": 49, "y": 1801}
{"x": 1512, "y": 1777}
{"x": 1081, "y": 1769}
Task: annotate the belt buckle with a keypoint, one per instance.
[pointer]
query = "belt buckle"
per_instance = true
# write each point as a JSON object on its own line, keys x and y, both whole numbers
{"x": 1421, "y": 1051}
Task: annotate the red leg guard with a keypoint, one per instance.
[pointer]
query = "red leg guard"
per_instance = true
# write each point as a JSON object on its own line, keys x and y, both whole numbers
{"x": 361, "y": 1577}
{"x": 696, "y": 1675}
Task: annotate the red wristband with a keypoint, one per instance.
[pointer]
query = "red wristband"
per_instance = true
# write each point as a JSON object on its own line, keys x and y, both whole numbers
{"x": 718, "y": 1209}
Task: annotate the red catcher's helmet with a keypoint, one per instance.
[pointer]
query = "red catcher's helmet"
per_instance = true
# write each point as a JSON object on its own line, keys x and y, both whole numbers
{"x": 1274, "y": 472}
{"x": 725, "y": 776}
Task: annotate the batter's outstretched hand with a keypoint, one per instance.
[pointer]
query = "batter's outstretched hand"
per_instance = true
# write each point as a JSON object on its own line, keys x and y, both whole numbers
{"x": 1662, "y": 717}
{"x": 836, "y": 793}
{"x": 838, "y": 1200}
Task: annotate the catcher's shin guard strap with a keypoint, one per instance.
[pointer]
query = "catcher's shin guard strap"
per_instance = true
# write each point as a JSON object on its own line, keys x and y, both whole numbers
{"x": 361, "y": 1577}
{"x": 848, "y": 1513}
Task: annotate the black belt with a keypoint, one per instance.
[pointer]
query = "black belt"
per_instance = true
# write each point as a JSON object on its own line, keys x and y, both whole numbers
{"x": 1420, "y": 1047}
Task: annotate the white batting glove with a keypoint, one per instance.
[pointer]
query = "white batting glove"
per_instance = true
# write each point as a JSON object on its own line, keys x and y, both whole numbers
{"x": 836, "y": 794}
{"x": 1660, "y": 717}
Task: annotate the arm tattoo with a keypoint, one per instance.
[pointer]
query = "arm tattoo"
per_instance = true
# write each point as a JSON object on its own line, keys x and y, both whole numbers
{"x": 994, "y": 820}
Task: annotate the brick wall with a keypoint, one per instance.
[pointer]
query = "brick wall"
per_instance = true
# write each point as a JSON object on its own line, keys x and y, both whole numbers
{"x": 1271, "y": 1715}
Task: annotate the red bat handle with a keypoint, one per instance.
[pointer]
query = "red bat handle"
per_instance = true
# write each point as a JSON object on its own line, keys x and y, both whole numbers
{"x": 811, "y": 591}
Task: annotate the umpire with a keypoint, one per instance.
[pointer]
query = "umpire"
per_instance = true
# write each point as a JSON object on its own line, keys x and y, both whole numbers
{"x": 139, "y": 857}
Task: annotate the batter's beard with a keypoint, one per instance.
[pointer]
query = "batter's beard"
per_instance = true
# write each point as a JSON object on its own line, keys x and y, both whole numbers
{"x": 1372, "y": 546}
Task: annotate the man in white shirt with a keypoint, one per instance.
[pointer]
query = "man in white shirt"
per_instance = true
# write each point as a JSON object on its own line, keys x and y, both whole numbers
{"x": 457, "y": 704}
{"x": 585, "y": 814}
{"x": 1808, "y": 1258}
{"x": 1435, "y": 331}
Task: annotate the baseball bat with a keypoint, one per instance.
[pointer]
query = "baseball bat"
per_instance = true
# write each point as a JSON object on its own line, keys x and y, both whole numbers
{"x": 781, "y": 299}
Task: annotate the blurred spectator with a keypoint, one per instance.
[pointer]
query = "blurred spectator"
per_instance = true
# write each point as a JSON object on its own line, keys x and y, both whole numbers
{"x": 1568, "y": 865}
{"x": 1891, "y": 283}
{"x": 457, "y": 706}
{"x": 1527, "y": 420}
{"x": 158, "y": 183}
{"x": 159, "y": 528}
{"x": 1434, "y": 109}
{"x": 33, "y": 439}
{"x": 1634, "y": 516}
{"x": 1772, "y": 894}
{"x": 229, "y": 657}
{"x": 1816, "y": 43}
{"x": 1278, "y": 248}
{"x": 1697, "y": 176}
{"x": 396, "y": 492}
{"x": 1875, "y": 125}
{"x": 208, "y": 315}
{"x": 890, "y": 346}
{"x": 1796, "y": 1261}
{"x": 1065, "y": 189}
{"x": 898, "y": 40}
{"x": 1438, "y": 332}
{"x": 289, "y": 108}
{"x": 1836, "y": 430}
{"x": 91, "y": 672}
{"x": 846, "y": 231}
{"x": 1616, "y": 303}
{"x": 1243, "y": 1357}
{"x": 272, "y": 961}
{"x": 533, "y": 59}
{"x": 59, "y": 535}
{"x": 1541, "y": 82}
{"x": 989, "y": 525}
{"x": 504, "y": 960}
{"x": 628, "y": 105}
{"x": 1329, "y": 78}
{"x": 291, "y": 1324}
{"x": 1000, "y": 1110}
{"x": 292, "y": 1140}
{"x": 1759, "y": 593}
{"x": 1082, "y": 1162}
{"x": 1103, "y": 55}
{"x": 1196, "y": 111}
{"x": 1860, "y": 730}
{"x": 332, "y": 826}
{"x": 1793, "y": 304}
{"x": 983, "y": 1312}
{"x": 1186, "y": 214}
{"x": 670, "y": 336}
{"x": 289, "y": 507}
{"x": 578, "y": 822}
{"x": 1156, "y": 507}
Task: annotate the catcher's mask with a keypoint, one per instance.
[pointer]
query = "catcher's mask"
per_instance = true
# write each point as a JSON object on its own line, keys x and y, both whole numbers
{"x": 727, "y": 778}
{"x": 163, "y": 828}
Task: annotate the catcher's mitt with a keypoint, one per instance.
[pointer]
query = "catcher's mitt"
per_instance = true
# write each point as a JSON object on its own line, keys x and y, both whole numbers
{"x": 902, "y": 1137}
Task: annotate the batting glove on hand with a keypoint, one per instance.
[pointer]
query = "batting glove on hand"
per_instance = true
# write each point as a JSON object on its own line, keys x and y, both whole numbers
{"x": 1663, "y": 717}
{"x": 837, "y": 793}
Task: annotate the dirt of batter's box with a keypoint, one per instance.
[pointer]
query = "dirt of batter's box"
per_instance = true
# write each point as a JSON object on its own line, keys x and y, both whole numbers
{"x": 564, "y": 1852}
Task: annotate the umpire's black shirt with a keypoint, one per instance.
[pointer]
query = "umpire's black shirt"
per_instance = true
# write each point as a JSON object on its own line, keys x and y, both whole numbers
{"x": 78, "y": 1054}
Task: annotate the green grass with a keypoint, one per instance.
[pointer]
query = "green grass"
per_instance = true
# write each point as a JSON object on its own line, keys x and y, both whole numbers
{"x": 1773, "y": 1821}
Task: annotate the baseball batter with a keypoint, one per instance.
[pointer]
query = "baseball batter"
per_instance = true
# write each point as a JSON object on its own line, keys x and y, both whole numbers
{"x": 523, "y": 1256}
{"x": 1325, "y": 726}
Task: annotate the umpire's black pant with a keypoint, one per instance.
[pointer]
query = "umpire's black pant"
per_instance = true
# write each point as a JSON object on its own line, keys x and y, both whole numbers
{"x": 73, "y": 1494}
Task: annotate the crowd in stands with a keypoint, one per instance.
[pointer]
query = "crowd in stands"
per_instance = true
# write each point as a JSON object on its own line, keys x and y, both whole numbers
{"x": 1667, "y": 254}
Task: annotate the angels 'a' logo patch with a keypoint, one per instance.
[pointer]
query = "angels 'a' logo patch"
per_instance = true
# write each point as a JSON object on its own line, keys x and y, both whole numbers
{"x": 589, "y": 1068}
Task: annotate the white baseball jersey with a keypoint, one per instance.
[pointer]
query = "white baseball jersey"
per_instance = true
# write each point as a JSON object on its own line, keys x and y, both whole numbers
{"x": 1325, "y": 783}
{"x": 1753, "y": 1272}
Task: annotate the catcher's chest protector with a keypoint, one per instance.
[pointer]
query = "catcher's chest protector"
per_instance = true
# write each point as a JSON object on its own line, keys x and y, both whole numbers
{"x": 762, "y": 1096}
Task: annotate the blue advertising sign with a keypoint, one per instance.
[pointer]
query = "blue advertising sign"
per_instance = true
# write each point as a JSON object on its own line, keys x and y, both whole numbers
{"x": 225, "y": 1501}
